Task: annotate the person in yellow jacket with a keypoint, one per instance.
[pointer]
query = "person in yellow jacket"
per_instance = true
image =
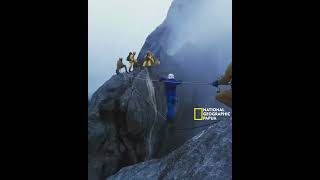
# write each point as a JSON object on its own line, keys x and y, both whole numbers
{"x": 132, "y": 60}
{"x": 120, "y": 65}
{"x": 156, "y": 61}
{"x": 148, "y": 60}
{"x": 225, "y": 96}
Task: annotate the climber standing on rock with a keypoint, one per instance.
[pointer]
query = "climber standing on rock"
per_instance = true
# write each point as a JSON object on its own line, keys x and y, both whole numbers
{"x": 150, "y": 60}
{"x": 120, "y": 65}
{"x": 156, "y": 60}
{"x": 131, "y": 60}
{"x": 170, "y": 85}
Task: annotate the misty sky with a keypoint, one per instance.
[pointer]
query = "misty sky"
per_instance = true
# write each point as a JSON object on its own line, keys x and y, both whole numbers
{"x": 117, "y": 27}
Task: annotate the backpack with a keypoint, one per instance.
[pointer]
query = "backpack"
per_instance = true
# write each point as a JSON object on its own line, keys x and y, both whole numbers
{"x": 128, "y": 58}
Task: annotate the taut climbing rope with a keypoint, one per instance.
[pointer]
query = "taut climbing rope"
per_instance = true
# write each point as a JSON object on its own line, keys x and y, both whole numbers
{"x": 183, "y": 82}
{"x": 191, "y": 128}
{"x": 163, "y": 117}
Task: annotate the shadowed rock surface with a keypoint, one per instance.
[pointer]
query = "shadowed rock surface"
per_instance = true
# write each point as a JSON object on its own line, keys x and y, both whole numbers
{"x": 123, "y": 127}
{"x": 205, "y": 156}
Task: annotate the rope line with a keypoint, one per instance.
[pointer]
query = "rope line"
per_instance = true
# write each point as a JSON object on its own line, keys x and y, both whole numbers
{"x": 161, "y": 115}
{"x": 199, "y": 83}
{"x": 183, "y": 82}
{"x": 145, "y": 79}
{"x": 182, "y": 129}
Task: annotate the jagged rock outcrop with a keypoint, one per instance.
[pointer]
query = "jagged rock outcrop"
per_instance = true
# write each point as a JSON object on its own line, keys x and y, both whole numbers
{"x": 206, "y": 156}
{"x": 123, "y": 126}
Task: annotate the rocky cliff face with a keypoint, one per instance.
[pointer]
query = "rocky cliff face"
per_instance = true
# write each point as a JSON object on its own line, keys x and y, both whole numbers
{"x": 126, "y": 122}
{"x": 205, "y": 156}
{"x": 123, "y": 127}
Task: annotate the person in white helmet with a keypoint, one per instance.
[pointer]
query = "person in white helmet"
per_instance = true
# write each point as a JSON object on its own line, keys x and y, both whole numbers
{"x": 170, "y": 86}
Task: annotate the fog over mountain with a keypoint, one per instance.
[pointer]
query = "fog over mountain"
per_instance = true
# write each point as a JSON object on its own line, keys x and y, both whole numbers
{"x": 115, "y": 28}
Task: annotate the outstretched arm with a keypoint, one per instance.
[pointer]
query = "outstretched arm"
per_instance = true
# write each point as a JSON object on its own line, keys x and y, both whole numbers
{"x": 225, "y": 79}
{"x": 162, "y": 79}
{"x": 215, "y": 83}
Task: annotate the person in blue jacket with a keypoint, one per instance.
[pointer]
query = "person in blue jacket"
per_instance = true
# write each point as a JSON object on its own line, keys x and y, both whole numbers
{"x": 170, "y": 86}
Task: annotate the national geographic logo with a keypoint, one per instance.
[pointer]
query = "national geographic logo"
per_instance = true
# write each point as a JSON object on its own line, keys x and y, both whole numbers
{"x": 203, "y": 114}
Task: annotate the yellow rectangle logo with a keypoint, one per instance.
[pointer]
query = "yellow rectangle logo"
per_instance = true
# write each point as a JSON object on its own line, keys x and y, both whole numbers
{"x": 195, "y": 114}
